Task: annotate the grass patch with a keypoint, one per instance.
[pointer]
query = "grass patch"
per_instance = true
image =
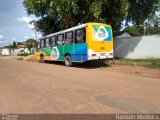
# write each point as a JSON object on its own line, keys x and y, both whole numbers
{"x": 20, "y": 58}
{"x": 149, "y": 62}
{"x": 24, "y": 54}
{"x": 154, "y": 65}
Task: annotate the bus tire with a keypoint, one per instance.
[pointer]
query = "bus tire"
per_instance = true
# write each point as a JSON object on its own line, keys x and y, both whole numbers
{"x": 68, "y": 61}
{"x": 42, "y": 59}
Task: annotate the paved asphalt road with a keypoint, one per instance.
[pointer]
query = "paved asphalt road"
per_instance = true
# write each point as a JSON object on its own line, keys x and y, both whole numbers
{"x": 31, "y": 87}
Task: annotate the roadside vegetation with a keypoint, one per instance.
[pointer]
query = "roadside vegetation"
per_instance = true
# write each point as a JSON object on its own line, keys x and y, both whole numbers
{"x": 20, "y": 58}
{"x": 27, "y": 57}
{"x": 149, "y": 62}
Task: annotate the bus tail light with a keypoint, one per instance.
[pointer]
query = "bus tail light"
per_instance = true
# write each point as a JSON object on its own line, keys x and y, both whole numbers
{"x": 111, "y": 54}
{"x": 93, "y": 54}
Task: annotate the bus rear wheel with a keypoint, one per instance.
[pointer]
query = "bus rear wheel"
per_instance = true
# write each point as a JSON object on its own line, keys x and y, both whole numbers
{"x": 68, "y": 61}
{"x": 42, "y": 59}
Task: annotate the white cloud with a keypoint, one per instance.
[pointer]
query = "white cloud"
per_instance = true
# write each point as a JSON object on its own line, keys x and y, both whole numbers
{"x": 26, "y": 37}
{"x": 14, "y": 39}
{"x": 36, "y": 35}
{"x": 1, "y": 38}
{"x": 3, "y": 42}
{"x": 27, "y": 21}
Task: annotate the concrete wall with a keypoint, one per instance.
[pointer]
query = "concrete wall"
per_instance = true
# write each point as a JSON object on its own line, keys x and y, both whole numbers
{"x": 137, "y": 47}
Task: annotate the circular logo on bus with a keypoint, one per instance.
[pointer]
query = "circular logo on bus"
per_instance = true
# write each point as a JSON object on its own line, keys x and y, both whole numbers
{"x": 102, "y": 33}
{"x": 55, "y": 53}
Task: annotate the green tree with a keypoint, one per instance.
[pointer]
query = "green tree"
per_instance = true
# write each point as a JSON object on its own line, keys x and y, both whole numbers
{"x": 30, "y": 43}
{"x": 139, "y": 10}
{"x": 13, "y": 45}
{"x": 135, "y": 30}
{"x": 112, "y": 12}
{"x": 152, "y": 24}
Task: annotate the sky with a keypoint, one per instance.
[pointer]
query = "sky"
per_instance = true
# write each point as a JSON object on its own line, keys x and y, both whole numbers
{"x": 14, "y": 22}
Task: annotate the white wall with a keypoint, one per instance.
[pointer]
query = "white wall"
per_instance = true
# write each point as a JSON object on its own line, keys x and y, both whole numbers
{"x": 5, "y": 51}
{"x": 137, "y": 47}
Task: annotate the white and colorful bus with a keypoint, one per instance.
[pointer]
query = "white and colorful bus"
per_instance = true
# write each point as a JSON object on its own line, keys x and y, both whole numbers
{"x": 90, "y": 41}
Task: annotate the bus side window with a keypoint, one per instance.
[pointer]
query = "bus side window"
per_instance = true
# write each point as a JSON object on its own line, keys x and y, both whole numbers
{"x": 38, "y": 44}
{"x": 53, "y": 41}
{"x": 60, "y": 39}
{"x": 47, "y": 42}
{"x": 69, "y": 38}
{"x": 80, "y": 36}
{"x": 42, "y": 43}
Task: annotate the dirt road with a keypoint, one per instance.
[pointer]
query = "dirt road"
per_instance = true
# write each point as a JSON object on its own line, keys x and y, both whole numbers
{"x": 31, "y": 87}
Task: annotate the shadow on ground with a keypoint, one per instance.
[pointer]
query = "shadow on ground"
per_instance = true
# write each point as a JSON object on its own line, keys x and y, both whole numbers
{"x": 86, "y": 65}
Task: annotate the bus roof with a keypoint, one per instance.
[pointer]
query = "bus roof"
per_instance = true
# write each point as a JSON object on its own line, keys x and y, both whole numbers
{"x": 70, "y": 29}
{"x": 63, "y": 31}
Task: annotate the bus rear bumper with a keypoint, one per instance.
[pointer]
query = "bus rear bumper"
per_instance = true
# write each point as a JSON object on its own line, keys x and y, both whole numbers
{"x": 100, "y": 57}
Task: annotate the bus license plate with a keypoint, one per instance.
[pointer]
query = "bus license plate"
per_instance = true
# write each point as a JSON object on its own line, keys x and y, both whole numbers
{"x": 103, "y": 54}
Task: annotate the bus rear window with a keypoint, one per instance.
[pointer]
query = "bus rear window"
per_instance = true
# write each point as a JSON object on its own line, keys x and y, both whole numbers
{"x": 101, "y": 33}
